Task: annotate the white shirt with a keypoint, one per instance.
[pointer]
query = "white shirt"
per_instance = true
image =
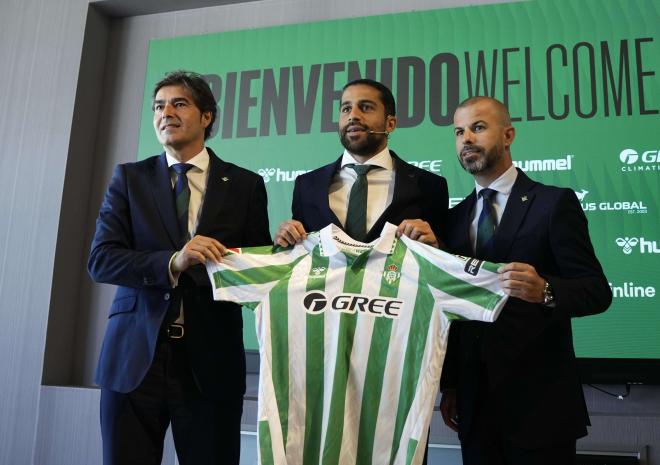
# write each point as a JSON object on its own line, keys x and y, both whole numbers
{"x": 503, "y": 186}
{"x": 380, "y": 181}
{"x": 197, "y": 177}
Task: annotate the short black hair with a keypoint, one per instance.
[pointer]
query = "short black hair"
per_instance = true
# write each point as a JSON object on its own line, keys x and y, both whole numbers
{"x": 198, "y": 87}
{"x": 386, "y": 96}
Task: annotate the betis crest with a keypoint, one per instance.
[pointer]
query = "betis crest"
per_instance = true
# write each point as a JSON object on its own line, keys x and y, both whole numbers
{"x": 391, "y": 273}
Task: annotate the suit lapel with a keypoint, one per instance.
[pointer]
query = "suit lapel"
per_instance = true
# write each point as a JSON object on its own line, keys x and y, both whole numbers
{"x": 463, "y": 245}
{"x": 164, "y": 198}
{"x": 218, "y": 187}
{"x": 322, "y": 197}
{"x": 519, "y": 203}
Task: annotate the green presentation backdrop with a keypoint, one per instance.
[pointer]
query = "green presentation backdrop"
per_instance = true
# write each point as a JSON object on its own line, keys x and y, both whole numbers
{"x": 580, "y": 79}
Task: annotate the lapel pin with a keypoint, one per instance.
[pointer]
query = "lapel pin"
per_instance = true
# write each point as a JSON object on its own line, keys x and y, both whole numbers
{"x": 225, "y": 179}
{"x": 523, "y": 198}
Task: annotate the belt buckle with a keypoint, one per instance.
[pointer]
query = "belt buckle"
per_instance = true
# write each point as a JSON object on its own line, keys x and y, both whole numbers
{"x": 175, "y": 331}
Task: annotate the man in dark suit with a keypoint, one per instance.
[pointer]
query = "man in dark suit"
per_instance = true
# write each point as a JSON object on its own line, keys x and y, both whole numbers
{"x": 393, "y": 191}
{"x": 511, "y": 388}
{"x": 171, "y": 354}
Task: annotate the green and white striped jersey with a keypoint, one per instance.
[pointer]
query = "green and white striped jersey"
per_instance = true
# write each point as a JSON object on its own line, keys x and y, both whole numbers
{"x": 352, "y": 337}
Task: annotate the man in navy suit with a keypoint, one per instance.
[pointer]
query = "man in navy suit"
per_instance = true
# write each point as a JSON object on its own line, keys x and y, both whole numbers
{"x": 511, "y": 388}
{"x": 171, "y": 354}
{"x": 397, "y": 192}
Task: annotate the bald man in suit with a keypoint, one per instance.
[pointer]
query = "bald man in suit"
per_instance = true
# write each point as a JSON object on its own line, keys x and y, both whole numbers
{"x": 511, "y": 388}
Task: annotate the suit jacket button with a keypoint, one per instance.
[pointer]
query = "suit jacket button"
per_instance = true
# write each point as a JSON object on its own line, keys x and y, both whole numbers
{"x": 166, "y": 296}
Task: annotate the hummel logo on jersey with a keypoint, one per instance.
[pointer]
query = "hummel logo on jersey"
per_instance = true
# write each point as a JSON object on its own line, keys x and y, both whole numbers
{"x": 315, "y": 302}
{"x": 472, "y": 265}
{"x": 317, "y": 272}
{"x": 391, "y": 274}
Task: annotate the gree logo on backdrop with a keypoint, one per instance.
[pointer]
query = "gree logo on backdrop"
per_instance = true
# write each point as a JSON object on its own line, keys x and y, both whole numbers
{"x": 647, "y": 160}
{"x": 434, "y": 166}
{"x": 630, "y": 244}
{"x": 453, "y": 201}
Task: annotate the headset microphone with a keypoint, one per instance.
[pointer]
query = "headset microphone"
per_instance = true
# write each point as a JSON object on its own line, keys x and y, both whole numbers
{"x": 379, "y": 132}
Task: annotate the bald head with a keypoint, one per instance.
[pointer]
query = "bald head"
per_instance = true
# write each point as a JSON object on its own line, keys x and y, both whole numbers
{"x": 483, "y": 132}
{"x": 500, "y": 111}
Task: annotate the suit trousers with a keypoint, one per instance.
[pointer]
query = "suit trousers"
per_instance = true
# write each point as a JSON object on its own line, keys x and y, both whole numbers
{"x": 133, "y": 425}
{"x": 488, "y": 444}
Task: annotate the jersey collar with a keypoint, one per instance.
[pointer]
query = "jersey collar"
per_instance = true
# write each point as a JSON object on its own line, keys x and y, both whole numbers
{"x": 334, "y": 240}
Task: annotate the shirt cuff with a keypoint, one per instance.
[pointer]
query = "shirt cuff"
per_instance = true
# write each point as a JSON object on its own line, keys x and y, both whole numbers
{"x": 174, "y": 277}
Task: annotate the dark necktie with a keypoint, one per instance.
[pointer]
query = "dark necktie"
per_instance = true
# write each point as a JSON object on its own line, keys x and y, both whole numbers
{"x": 182, "y": 198}
{"x": 487, "y": 220}
{"x": 356, "y": 214}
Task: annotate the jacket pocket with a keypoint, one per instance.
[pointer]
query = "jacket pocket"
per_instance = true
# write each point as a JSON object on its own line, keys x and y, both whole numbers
{"x": 124, "y": 301}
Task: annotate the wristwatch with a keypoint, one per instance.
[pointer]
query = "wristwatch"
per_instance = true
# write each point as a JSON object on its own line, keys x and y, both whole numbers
{"x": 548, "y": 295}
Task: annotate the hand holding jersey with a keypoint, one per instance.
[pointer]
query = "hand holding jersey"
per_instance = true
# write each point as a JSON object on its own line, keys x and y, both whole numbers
{"x": 197, "y": 251}
{"x": 290, "y": 232}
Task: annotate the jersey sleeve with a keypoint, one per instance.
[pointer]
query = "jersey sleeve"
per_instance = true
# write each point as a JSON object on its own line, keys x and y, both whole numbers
{"x": 246, "y": 275}
{"x": 465, "y": 288}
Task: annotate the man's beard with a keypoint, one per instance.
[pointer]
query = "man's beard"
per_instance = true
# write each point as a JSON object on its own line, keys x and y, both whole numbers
{"x": 486, "y": 160}
{"x": 363, "y": 147}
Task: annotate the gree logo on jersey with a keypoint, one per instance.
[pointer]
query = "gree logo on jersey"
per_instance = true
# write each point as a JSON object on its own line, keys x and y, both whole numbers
{"x": 316, "y": 302}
